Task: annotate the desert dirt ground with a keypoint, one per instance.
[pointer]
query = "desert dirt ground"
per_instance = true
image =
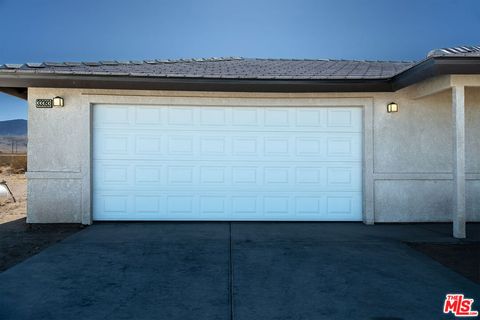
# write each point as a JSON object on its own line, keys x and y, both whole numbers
{"x": 19, "y": 240}
{"x": 10, "y": 210}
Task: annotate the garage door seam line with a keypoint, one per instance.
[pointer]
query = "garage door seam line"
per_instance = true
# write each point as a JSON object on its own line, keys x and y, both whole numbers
{"x": 232, "y": 313}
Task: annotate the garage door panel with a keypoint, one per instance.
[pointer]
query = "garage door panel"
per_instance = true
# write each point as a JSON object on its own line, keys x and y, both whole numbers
{"x": 309, "y": 119}
{"x": 228, "y": 146}
{"x": 124, "y": 175}
{"x": 219, "y": 205}
{"x": 226, "y": 163}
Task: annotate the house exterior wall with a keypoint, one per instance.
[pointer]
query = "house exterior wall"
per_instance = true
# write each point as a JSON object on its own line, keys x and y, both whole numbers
{"x": 407, "y": 155}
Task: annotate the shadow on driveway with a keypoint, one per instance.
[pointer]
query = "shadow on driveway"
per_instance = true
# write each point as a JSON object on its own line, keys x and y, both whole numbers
{"x": 19, "y": 240}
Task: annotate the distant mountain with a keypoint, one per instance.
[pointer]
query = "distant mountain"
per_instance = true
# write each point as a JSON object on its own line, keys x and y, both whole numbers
{"x": 16, "y": 127}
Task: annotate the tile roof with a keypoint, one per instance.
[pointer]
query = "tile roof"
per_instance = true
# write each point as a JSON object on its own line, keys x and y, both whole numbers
{"x": 238, "y": 68}
{"x": 222, "y": 68}
{"x": 465, "y": 51}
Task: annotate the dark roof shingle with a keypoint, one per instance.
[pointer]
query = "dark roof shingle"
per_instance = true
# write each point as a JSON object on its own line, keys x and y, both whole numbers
{"x": 224, "y": 68}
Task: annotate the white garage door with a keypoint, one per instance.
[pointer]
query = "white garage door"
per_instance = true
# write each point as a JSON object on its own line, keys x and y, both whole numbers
{"x": 227, "y": 163}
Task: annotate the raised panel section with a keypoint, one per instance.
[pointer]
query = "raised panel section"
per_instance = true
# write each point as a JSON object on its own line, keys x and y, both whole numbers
{"x": 148, "y": 116}
{"x": 180, "y": 116}
{"x": 245, "y": 117}
{"x": 147, "y": 204}
{"x": 309, "y": 147}
{"x": 212, "y": 175}
{"x": 212, "y": 205}
{"x": 276, "y": 175}
{"x": 148, "y": 144}
{"x": 180, "y": 145}
{"x": 114, "y": 174}
{"x": 339, "y": 147}
{"x": 277, "y": 117}
{"x": 212, "y": 145}
{"x": 339, "y": 205}
{"x": 339, "y": 175}
{"x": 339, "y": 118}
{"x": 245, "y": 206}
{"x": 276, "y": 146}
{"x": 115, "y": 204}
{"x": 308, "y": 205}
{"x": 245, "y": 175}
{"x": 244, "y": 146}
{"x": 309, "y": 175}
{"x": 276, "y": 205}
{"x": 114, "y": 145}
{"x": 212, "y": 117}
{"x": 111, "y": 115}
{"x": 182, "y": 175}
{"x": 180, "y": 204}
{"x": 148, "y": 174}
{"x": 310, "y": 117}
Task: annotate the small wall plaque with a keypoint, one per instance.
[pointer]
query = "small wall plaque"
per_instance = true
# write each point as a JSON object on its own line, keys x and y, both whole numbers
{"x": 44, "y": 103}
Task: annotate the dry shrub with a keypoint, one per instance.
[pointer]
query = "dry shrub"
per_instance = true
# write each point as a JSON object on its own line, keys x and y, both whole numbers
{"x": 19, "y": 164}
{"x": 5, "y": 160}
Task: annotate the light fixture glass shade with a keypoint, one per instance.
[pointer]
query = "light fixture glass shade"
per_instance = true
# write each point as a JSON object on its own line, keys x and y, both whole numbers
{"x": 58, "y": 102}
{"x": 392, "y": 107}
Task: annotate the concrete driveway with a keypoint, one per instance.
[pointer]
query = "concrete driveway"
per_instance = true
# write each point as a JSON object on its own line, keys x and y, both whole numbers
{"x": 235, "y": 271}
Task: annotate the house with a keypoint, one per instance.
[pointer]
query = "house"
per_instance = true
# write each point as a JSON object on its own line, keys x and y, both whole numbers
{"x": 253, "y": 139}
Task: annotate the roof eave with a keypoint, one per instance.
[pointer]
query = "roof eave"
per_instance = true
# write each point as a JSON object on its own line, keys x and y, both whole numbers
{"x": 22, "y": 81}
{"x": 436, "y": 66}
{"x": 21, "y": 93}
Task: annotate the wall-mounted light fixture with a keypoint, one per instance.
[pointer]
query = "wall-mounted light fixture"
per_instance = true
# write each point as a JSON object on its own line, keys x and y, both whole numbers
{"x": 392, "y": 107}
{"x": 58, "y": 102}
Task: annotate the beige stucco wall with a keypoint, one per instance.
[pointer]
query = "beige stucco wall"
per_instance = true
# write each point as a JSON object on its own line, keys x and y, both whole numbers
{"x": 408, "y": 155}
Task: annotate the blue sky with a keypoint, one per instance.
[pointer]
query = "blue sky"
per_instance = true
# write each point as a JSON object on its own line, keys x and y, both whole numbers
{"x": 129, "y": 30}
